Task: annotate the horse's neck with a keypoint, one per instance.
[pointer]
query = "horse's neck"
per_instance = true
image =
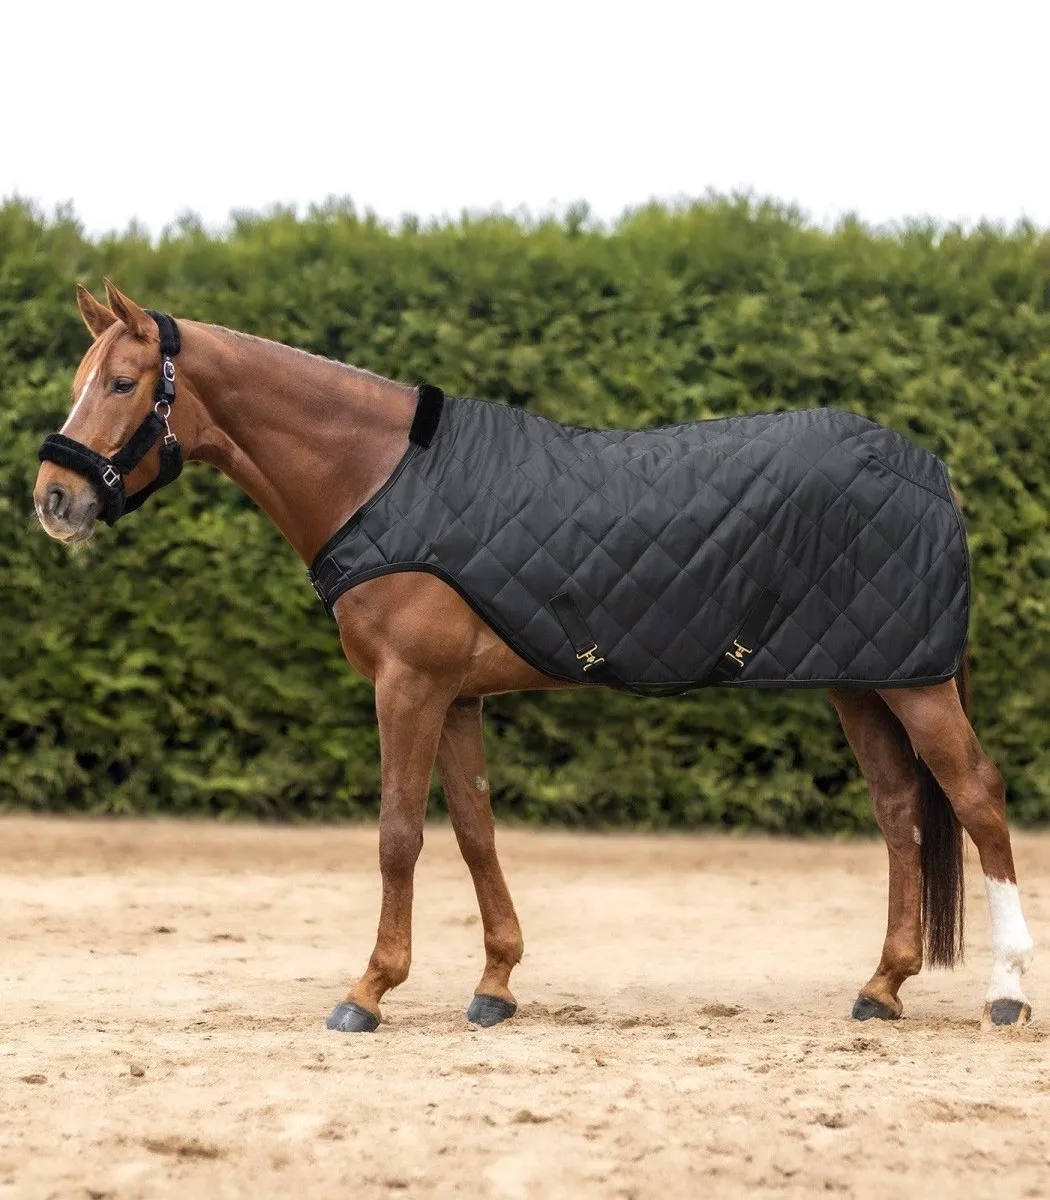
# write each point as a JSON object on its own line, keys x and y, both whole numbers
{"x": 308, "y": 439}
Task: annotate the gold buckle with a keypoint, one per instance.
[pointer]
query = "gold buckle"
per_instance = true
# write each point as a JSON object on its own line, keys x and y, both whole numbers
{"x": 588, "y": 659}
{"x": 736, "y": 655}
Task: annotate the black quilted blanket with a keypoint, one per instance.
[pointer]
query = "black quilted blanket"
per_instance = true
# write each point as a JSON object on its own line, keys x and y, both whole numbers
{"x": 791, "y": 549}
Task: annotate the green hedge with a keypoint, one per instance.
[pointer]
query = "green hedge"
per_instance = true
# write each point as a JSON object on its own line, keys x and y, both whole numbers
{"x": 180, "y": 663}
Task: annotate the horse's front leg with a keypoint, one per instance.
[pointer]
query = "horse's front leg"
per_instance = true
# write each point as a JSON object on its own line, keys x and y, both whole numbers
{"x": 461, "y": 764}
{"x": 411, "y": 707}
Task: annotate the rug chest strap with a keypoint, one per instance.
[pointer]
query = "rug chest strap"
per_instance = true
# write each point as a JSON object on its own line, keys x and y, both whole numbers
{"x": 728, "y": 665}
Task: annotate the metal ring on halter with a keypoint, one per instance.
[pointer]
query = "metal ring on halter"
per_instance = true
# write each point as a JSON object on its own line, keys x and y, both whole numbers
{"x": 169, "y": 436}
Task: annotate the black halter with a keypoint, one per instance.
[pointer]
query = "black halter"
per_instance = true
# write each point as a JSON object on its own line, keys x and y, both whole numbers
{"x": 108, "y": 474}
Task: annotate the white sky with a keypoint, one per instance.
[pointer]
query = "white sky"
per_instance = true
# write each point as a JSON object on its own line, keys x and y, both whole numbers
{"x": 892, "y": 109}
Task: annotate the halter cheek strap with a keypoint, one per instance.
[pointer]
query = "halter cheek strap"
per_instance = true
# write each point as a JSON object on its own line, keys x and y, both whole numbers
{"x": 108, "y": 474}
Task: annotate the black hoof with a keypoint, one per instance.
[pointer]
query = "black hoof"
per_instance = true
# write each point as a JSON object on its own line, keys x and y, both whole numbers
{"x": 864, "y": 1008}
{"x": 1006, "y": 1012}
{"x": 349, "y": 1018}
{"x": 489, "y": 1010}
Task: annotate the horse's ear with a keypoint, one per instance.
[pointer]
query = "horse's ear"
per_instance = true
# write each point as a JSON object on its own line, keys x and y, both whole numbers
{"x": 136, "y": 319}
{"x": 96, "y": 316}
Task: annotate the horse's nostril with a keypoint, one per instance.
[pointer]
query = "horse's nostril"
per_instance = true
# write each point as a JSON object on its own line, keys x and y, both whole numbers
{"x": 57, "y": 501}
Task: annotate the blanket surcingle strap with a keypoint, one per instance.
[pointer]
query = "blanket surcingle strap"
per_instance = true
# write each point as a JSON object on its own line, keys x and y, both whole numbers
{"x": 809, "y": 548}
{"x": 724, "y": 668}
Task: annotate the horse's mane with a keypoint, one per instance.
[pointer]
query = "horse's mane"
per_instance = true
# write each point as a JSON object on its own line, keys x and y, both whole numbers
{"x": 279, "y": 349}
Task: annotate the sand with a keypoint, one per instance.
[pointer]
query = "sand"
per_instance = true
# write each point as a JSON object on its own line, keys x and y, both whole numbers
{"x": 683, "y": 1026}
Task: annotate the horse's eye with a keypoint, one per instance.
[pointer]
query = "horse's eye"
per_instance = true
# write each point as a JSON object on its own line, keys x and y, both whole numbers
{"x": 123, "y": 385}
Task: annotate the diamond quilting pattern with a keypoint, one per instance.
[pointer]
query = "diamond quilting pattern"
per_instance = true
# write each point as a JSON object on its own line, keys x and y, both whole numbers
{"x": 665, "y": 537}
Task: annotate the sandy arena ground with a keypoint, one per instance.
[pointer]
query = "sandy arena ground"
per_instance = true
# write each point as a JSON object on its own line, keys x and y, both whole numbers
{"x": 683, "y": 1025}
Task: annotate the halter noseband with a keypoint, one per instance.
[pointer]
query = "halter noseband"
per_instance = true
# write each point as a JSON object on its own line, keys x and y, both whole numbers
{"x": 108, "y": 474}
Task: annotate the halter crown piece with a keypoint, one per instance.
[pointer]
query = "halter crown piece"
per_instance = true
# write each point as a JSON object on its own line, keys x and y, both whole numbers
{"x": 108, "y": 474}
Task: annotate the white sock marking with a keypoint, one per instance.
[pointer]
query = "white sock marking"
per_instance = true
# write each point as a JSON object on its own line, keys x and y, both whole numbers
{"x": 1011, "y": 942}
{"x": 83, "y": 393}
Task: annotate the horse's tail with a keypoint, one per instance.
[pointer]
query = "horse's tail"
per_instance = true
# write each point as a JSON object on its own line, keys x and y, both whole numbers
{"x": 941, "y": 857}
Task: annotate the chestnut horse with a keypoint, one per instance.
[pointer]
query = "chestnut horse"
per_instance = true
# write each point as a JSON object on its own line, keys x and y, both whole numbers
{"x": 310, "y": 441}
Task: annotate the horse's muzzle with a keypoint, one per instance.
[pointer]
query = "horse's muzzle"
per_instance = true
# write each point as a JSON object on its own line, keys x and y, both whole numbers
{"x": 67, "y": 513}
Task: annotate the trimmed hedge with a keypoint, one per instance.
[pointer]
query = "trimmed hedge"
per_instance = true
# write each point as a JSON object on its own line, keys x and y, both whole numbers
{"x": 180, "y": 662}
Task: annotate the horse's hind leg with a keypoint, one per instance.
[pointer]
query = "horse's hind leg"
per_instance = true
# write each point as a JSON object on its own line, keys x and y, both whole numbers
{"x": 937, "y": 724}
{"x": 461, "y": 765}
{"x": 888, "y": 766}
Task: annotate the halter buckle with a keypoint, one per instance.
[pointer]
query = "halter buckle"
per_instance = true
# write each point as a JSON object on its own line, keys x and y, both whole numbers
{"x": 110, "y": 476}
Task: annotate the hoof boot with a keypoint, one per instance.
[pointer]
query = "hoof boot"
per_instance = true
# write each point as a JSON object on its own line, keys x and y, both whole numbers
{"x": 350, "y": 1018}
{"x": 490, "y": 1010}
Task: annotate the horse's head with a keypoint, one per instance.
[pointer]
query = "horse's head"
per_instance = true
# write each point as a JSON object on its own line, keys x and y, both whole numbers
{"x": 114, "y": 392}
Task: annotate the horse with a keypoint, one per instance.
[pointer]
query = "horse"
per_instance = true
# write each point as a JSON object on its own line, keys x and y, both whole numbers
{"x": 312, "y": 441}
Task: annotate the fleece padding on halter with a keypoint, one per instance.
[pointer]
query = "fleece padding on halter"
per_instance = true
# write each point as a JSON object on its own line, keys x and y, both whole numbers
{"x": 108, "y": 474}
{"x": 798, "y": 549}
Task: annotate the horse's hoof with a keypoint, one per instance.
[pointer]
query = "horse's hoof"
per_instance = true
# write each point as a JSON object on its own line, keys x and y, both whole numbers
{"x": 1007, "y": 1012}
{"x": 351, "y": 1018}
{"x": 864, "y": 1008}
{"x": 490, "y": 1010}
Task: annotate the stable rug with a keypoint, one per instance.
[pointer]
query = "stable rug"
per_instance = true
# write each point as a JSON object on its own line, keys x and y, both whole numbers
{"x": 807, "y": 548}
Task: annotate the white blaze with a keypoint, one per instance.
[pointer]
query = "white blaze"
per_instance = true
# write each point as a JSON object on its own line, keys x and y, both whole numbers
{"x": 1011, "y": 942}
{"x": 83, "y": 393}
